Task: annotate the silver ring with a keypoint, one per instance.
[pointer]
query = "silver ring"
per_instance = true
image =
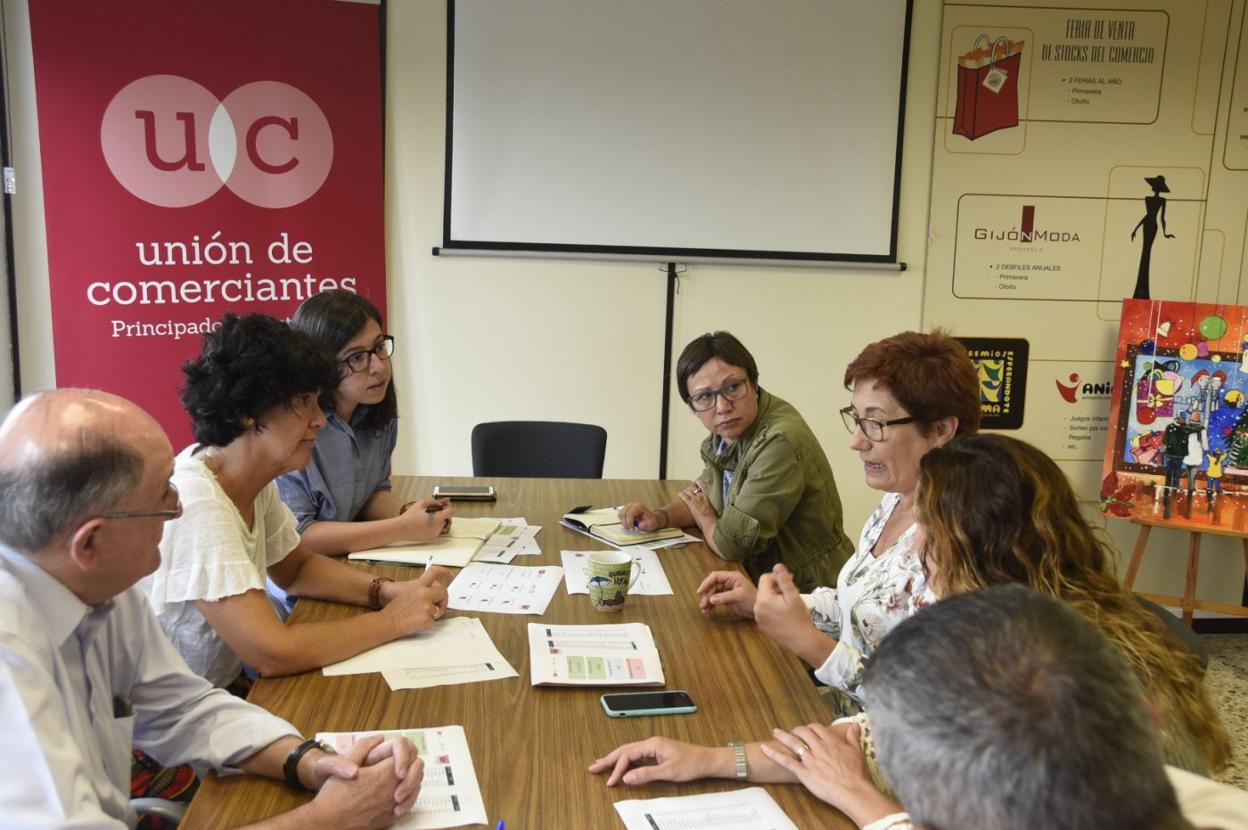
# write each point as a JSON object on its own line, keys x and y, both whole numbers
{"x": 801, "y": 750}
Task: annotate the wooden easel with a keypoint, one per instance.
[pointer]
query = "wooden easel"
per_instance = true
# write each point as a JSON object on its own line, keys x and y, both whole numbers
{"x": 1188, "y": 601}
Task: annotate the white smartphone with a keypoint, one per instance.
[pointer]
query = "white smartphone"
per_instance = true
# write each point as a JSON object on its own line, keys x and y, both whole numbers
{"x": 637, "y": 704}
{"x": 462, "y": 492}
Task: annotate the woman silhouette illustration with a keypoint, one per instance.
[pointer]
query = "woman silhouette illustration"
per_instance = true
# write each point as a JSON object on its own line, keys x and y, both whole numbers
{"x": 1154, "y": 207}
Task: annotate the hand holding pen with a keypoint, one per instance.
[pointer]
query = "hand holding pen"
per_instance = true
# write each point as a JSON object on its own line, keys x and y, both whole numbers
{"x": 636, "y": 517}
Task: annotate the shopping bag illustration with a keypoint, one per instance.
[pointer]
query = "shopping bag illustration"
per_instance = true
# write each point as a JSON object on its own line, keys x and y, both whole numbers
{"x": 988, "y": 87}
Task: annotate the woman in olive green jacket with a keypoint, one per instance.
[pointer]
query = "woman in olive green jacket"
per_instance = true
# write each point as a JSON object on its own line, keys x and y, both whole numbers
{"x": 767, "y": 495}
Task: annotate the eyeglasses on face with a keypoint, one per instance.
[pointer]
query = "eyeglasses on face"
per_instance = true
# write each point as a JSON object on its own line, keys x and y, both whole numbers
{"x": 361, "y": 360}
{"x": 871, "y": 427}
{"x": 733, "y": 390}
{"x": 144, "y": 514}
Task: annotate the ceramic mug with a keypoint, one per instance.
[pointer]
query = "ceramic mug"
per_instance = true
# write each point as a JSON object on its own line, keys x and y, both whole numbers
{"x": 610, "y": 574}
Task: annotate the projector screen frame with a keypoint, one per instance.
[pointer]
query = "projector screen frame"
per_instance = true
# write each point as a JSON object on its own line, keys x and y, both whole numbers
{"x": 668, "y": 253}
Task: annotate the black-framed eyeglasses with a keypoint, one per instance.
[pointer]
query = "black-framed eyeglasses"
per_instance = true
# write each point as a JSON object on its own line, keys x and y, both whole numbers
{"x": 144, "y": 514}
{"x": 733, "y": 390}
{"x": 361, "y": 360}
{"x": 871, "y": 427}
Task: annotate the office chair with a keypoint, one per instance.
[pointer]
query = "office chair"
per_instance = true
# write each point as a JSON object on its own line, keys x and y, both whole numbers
{"x": 538, "y": 449}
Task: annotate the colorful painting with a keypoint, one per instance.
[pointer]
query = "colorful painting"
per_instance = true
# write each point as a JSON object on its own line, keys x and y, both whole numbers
{"x": 1179, "y": 448}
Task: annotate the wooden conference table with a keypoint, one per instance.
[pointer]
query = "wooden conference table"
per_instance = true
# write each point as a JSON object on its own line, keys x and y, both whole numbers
{"x": 530, "y": 745}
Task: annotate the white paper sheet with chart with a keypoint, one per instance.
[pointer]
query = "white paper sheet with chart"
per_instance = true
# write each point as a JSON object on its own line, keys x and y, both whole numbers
{"x": 651, "y": 582}
{"x": 749, "y": 809}
{"x": 504, "y": 589}
{"x": 455, "y": 650}
{"x": 425, "y": 677}
{"x": 449, "y": 793}
{"x": 594, "y": 655}
{"x": 514, "y": 537}
{"x": 453, "y": 550}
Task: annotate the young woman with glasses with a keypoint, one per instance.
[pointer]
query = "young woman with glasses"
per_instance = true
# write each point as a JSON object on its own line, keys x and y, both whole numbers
{"x": 252, "y": 395}
{"x": 767, "y": 495}
{"x": 911, "y": 393}
{"x": 342, "y": 500}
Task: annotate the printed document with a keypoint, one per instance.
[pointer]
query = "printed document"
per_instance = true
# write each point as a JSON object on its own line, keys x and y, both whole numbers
{"x": 748, "y": 809}
{"x": 513, "y": 538}
{"x": 455, "y": 549}
{"x": 424, "y": 677}
{"x": 444, "y": 652}
{"x": 652, "y": 581}
{"x": 449, "y": 793}
{"x": 504, "y": 589}
{"x": 594, "y": 655}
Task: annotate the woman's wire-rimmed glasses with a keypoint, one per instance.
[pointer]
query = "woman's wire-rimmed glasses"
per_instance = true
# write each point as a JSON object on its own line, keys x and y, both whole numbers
{"x": 733, "y": 390}
{"x": 871, "y": 427}
{"x": 361, "y": 360}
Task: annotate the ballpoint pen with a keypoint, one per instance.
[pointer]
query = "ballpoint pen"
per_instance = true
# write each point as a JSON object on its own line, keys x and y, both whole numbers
{"x": 438, "y": 508}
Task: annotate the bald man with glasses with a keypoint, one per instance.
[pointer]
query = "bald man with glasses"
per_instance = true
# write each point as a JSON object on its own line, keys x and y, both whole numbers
{"x": 86, "y": 674}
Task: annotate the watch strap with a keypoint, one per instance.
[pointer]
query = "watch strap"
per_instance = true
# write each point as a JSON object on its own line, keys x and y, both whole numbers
{"x": 290, "y": 769}
{"x": 738, "y": 750}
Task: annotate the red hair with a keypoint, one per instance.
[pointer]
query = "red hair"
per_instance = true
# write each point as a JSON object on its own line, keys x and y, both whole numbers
{"x": 931, "y": 375}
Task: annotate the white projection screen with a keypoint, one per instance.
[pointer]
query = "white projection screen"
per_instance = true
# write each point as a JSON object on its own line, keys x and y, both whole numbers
{"x": 759, "y": 129}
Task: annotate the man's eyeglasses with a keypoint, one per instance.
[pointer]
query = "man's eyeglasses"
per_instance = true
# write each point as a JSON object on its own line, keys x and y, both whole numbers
{"x": 361, "y": 360}
{"x": 871, "y": 427}
{"x": 733, "y": 390}
{"x": 144, "y": 514}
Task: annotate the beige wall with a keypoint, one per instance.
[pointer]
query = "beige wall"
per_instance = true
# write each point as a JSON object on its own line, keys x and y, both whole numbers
{"x": 492, "y": 338}
{"x": 582, "y": 340}
{"x": 34, "y": 307}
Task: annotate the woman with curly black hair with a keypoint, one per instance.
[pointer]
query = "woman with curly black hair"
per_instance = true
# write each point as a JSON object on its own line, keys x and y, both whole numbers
{"x": 252, "y": 397}
{"x": 342, "y": 500}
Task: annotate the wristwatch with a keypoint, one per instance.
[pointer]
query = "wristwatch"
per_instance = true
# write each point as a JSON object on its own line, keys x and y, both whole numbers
{"x": 290, "y": 769}
{"x": 738, "y": 750}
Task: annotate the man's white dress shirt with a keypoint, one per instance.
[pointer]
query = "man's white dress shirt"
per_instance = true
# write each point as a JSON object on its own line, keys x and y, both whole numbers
{"x": 81, "y": 685}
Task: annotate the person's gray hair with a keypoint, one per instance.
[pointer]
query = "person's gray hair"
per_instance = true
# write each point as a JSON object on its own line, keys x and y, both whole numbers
{"x": 1006, "y": 708}
{"x": 58, "y": 492}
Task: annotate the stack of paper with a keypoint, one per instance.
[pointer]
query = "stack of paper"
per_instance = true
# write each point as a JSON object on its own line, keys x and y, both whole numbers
{"x": 514, "y": 537}
{"x": 748, "y": 809}
{"x": 455, "y": 650}
{"x": 504, "y": 589}
{"x": 651, "y": 581}
{"x": 449, "y": 793}
{"x": 454, "y": 549}
{"x": 594, "y": 655}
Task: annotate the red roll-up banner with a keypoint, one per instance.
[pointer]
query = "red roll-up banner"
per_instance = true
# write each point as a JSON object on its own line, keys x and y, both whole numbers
{"x": 198, "y": 158}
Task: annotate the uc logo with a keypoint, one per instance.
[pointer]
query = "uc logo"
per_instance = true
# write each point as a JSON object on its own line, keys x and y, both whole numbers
{"x": 171, "y": 143}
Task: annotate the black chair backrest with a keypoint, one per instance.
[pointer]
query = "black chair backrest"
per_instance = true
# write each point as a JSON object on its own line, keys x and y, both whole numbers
{"x": 538, "y": 449}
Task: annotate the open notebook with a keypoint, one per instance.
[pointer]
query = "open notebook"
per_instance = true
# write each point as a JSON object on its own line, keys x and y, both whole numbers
{"x": 455, "y": 549}
{"x": 604, "y": 523}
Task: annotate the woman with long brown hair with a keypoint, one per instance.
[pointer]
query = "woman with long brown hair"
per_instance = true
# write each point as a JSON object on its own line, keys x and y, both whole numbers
{"x": 999, "y": 511}
{"x": 996, "y": 511}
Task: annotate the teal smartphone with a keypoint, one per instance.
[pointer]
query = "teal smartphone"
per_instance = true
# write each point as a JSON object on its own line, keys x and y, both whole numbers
{"x": 637, "y": 704}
